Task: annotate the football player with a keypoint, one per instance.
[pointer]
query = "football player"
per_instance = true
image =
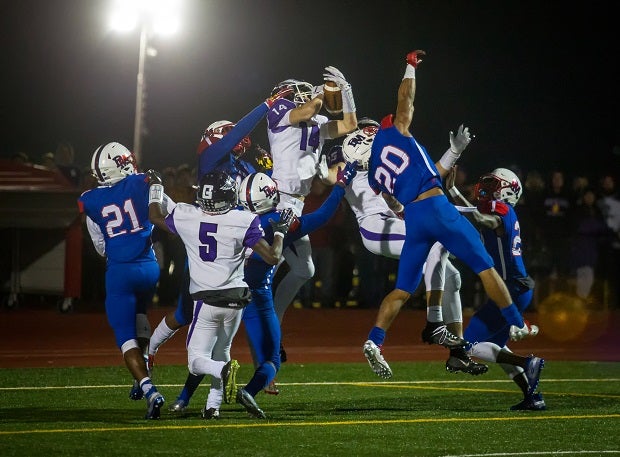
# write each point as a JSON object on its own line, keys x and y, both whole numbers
{"x": 401, "y": 168}
{"x": 296, "y": 133}
{"x": 259, "y": 194}
{"x": 223, "y": 147}
{"x": 116, "y": 213}
{"x": 382, "y": 231}
{"x": 216, "y": 236}
{"x": 496, "y": 195}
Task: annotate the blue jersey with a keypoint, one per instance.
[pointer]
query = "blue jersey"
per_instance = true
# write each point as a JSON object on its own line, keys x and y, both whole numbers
{"x": 400, "y": 166}
{"x": 121, "y": 212}
{"x": 259, "y": 274}
{"x": 218, "y": 155}
{"x": 507, "y": 254}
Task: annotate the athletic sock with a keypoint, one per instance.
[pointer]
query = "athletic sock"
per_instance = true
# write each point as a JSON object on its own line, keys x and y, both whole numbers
{"x": 377, "y": 336}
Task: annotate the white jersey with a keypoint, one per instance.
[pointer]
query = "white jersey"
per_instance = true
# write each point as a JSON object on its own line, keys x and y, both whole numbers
{"x": 363, "y": 200}
{"x": 215, "y": 245}
{"x": 295, "y": 149}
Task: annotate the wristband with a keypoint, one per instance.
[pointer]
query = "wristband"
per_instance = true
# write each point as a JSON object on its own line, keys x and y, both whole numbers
{"x": 448, "y": 159}
{"x": 156, "y": 194}
{"x": 348, "y": 104}
{"x": 409, "y": 72}
{"x": 280, "y": 234}
{"x": 454, "y": 192}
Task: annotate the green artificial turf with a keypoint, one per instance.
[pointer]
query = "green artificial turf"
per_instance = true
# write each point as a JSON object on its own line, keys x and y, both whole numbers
{"x": 322, "y": 410}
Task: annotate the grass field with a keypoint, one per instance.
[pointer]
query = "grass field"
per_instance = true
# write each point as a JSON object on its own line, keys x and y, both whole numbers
{"x": 322, "y": 410}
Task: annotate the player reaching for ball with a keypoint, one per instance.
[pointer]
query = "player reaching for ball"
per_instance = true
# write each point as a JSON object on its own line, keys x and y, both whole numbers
{"x": 401, "y": 168}
{"x": 296, "y": 133}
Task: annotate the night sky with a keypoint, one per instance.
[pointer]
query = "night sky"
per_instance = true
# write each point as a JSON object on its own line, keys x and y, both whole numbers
{"x": 537, "y": 82}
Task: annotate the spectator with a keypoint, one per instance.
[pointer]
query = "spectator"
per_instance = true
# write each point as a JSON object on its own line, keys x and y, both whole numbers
{"x": 48, "y": 161}
{"x": 609, "y": 203}
{"x": 22, "y": 158}
{"x": 590, "y": 233}
{"x": 556, "y": 228}
{"x": 65, "y": 157}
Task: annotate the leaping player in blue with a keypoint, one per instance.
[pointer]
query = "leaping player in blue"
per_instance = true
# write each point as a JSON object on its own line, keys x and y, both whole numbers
{"x": 259, "y": 194}
{"x": 399, "y": 166}
{"x": 118, "y": 223}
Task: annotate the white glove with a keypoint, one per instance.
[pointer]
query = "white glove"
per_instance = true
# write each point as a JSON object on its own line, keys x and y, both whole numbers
{"x": 335, "y": 75}
{"x": 459, "y": 142}
{"x": 316, "y": 91}
{"x": 322, "y": 171}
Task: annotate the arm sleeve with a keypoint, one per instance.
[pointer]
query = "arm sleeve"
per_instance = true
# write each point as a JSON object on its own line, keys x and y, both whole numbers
{"x": 253, "y": 234}
{"x": 168, "y": 204}
{"x": 312, "y": 221}
{"x": 218, "y": 152}
{"x": 95, "y": 234}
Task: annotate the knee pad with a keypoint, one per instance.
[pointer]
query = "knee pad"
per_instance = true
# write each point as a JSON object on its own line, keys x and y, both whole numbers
{"x": 129, "y": 344}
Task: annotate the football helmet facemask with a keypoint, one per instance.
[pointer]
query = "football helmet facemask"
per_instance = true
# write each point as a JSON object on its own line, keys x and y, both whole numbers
{"x": 111, "y": 163}
{"x": 216, "y": 131}
{"x": 258, "y": 193}
{"x": 302, "y": 90}
{"x": 501, "y": 184}
{"x": 357, "y": 145}
{"x": 216, "y": 193}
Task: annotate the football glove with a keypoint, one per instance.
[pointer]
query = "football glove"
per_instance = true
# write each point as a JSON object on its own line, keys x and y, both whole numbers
{"x": 283, "y": 224}
{"x": 335, "y": 75}
{"x": 317, "y": 90}
{"x": 322, "y": 171}
{"x": 153, "y": 177}
{"x": 413, "y": 58}
{"x": 346, "y": 174}
{"x": 459, "y": 142}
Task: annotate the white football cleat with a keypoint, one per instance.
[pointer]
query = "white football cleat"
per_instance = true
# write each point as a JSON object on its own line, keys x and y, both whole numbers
{"x": 517, "y": 334}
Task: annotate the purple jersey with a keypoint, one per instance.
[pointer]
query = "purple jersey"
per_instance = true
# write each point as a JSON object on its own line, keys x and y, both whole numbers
{"x": 400, "y": 166}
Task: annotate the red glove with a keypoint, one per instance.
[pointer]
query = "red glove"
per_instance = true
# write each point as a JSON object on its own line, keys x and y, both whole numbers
{"x": 413, "y": 58}
{"x": 278, "y": 95}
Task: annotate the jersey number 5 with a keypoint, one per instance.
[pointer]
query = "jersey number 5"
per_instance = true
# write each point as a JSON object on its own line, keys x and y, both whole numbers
{"x": 208, "y": 248}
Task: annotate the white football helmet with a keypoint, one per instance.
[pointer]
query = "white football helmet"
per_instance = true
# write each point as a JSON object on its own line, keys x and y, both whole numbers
{"x": 112, "y": 162}
{"x": 357, "y": 145}
{"x": 302, "y": 90}
{"x": 216, "y": 131}
{"x": 501, "y": 184}
{"x": 258, "y": 193}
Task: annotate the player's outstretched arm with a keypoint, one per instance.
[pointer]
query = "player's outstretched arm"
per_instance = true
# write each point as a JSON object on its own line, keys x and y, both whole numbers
{"x": 406, "y": 93}
{"x": 348, "y": 123}
{"x": 458, "y": 143}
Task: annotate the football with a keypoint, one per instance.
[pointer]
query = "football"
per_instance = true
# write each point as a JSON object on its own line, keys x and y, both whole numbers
{"x": 332, "y": 98}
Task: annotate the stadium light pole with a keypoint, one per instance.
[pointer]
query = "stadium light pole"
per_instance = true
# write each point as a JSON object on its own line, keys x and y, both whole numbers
{"x": 154, "y": 17}
{"x": 137, "y": 126}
